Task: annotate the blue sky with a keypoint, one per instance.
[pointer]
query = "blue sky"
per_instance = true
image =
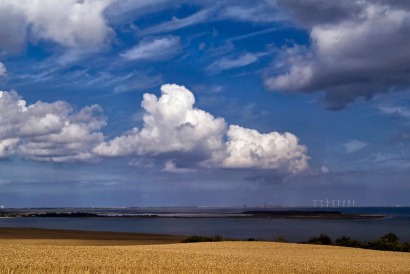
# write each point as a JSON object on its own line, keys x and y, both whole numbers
{"x": 218, "y": 103}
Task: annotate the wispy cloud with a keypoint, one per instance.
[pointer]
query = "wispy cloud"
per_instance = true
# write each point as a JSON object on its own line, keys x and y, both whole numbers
{"x": 3, "y": 69}
{"x": 171, "y": 167}
{"x": 396, "y": 111}
{"x": 354, "y": 145}
{"x": 324, "y": 169}
{"x": 176, "y": 23}
{"x": 138, "y": 82}
{"x": 390, "y": 160}
{"x": 256, "y": 11}
{"x": 154, "y": 49}
{"x": 227, "y": 63}
{"x": 256, "y": 33}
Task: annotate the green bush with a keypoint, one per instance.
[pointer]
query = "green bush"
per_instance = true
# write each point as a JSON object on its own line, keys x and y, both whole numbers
{"x": 197, "y": 239}
{"x": 346, "y": 241}
{"x": 391, "y": 238}
{"x": 390, "y": 242}
{"x": 281, "y": 239}
{"x": 323, "y": 239}
{"x": 405, "y": 247}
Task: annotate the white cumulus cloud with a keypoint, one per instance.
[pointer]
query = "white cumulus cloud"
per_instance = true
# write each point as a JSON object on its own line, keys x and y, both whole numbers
{"x": 174, "y": 128}
{"x": 350, "y": 55}
{"x": 8, "y": 146}
{"x": 174, "y": 132}
{"x": 48, "y": 131}
{"x": 171, "y": 124}
{"x": 70, "y": 23}
{"x": 154, "y": 49}
{"x": 247, "y": 148}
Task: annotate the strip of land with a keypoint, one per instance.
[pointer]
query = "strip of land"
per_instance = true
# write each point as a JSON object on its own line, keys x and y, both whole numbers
{"x": 63, "y": 251}
{"x": 279, "y": 214}
{"x": 82, "y": 237}
{"x": 306, "y": 214}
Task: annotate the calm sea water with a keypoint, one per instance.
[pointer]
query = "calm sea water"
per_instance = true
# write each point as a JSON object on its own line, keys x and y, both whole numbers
{"x": 398, "y": 221}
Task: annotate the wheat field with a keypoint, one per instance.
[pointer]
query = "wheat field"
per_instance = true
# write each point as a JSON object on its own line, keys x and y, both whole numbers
{"x": 66, "y": 256}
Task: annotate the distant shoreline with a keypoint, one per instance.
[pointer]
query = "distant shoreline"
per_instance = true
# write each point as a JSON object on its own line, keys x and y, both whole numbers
{"x": 254, "y": 214}
{"x": 316, "y": 214}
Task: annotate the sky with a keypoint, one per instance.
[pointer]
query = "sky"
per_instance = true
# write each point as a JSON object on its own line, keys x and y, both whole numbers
{"x": 204, "y": 103}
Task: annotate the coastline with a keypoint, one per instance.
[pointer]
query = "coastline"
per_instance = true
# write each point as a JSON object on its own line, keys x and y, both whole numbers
{"x": 253, "y": 214}
{"x": 86, "y": 237}
{"x": 315, "y": 214}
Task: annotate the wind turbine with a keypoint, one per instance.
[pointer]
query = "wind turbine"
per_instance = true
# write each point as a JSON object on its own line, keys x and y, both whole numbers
{"x": 327, "y": 202}
{"x": 343, "y": 202}
{"x": 333, "y": 203}
{"x": 321, "y": 203}
{"x": 348, "y": 203}
{"x": 314, "y": 202}
{"x": 338, "y": 203}
{"x": 353, "y": 203}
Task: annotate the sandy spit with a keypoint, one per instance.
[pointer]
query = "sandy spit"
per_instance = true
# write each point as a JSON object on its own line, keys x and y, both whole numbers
{"x": 83, "y": 237}
{"x": 30, "y": 256}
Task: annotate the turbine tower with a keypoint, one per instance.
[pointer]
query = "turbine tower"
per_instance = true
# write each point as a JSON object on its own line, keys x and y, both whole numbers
{"x": 343, "y": 202}
{"x": 327, "y": 202}
{"x": 338, "y": 203}
{"x": 333, "y": 203}
{"x": 353, "y": 203}
{"x": 314, "y": 202}
{"x": 348, "y": 203}
{"x": 321, "y": 203}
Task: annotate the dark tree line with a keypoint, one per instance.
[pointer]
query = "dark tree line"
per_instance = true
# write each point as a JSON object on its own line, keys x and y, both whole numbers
{"x": 388, "y": 242}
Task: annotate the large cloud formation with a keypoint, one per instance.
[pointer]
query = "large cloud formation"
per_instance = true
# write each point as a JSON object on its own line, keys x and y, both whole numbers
{"x": 48, "y": 131}
{"x": 358, "y": 49}
{"x": 70, "y": 23}
{"x": 172, "y": 125}
{"x": 247, "y": 148}
{"x": 174, "y": 132}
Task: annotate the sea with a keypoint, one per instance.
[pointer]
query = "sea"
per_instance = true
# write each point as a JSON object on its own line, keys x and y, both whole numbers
{"x": 211, "y": 221}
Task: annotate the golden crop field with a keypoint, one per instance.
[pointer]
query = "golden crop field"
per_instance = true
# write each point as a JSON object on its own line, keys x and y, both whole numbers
{"x": 66, "y": 256}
